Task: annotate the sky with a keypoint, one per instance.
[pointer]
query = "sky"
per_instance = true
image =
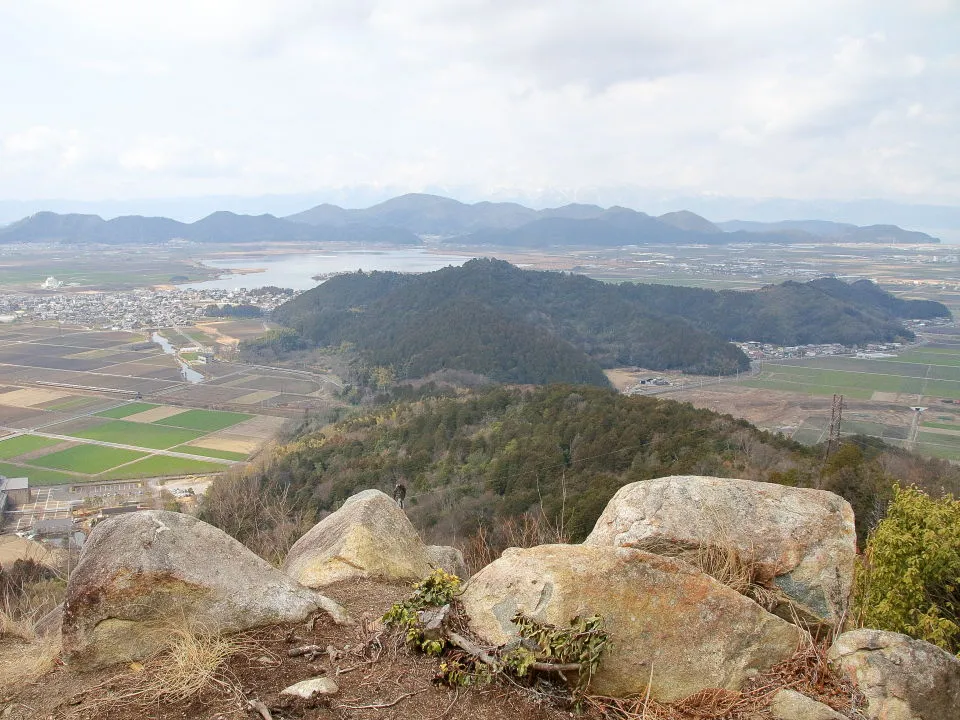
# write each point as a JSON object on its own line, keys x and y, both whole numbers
{"x": 598, "y": 101}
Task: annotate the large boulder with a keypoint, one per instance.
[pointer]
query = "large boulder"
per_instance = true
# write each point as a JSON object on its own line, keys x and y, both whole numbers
{"x": 369, "y": 536}
{"x": 799, "y": 540}
{"x": 901, "y": 678}
{"x": 146, "y": 576}
{"x": 669, "y": 624}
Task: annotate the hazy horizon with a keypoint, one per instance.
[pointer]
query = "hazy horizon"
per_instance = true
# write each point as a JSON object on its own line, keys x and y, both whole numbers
{"x": 561, "y": 101}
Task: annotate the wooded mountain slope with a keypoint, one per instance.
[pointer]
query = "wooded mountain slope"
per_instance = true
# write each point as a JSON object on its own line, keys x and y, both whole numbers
{"x": 525, "y": 326}
{"x": 560, "y": 452}
{"x": 219, "y": 227}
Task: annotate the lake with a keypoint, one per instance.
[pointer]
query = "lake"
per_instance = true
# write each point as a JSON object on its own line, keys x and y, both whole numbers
{"x": 297, "y": 271}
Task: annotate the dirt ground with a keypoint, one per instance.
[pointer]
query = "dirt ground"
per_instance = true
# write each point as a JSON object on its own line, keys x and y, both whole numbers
{"x": 768, "y": 409}
{"x": 376, "y": 679}
{"x": 781, "y": 411}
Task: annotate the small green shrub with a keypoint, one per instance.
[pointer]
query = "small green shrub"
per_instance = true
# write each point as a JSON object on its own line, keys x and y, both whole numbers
{"x": 909, "y": 579}
{"x": 436, "y": 590}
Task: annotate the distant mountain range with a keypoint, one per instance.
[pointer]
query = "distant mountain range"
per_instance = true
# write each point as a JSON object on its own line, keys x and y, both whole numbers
{"x": 525, "y": 326}
{"x": 409, "y": 219}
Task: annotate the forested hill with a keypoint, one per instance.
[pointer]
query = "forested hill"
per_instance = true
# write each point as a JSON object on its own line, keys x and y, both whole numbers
{"x": 558, "y": 452}
{"x": 524, "y": 326}
{"x": 511, "y": 325}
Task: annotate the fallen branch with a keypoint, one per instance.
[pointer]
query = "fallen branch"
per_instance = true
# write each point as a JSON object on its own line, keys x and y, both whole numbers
{"x": 378, "y": 706}
{"x": 446, "y": 712}
{"x": 260, "y": 708}
{"x": 488, "y": 659}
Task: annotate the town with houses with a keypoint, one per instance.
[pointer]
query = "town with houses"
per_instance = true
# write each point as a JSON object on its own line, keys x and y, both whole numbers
{"x": 135, "y": 309}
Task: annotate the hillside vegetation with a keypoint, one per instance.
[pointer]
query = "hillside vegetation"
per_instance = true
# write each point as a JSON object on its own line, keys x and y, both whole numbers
{"x": 557, "y": 452}
{"x": 522, "y": 326}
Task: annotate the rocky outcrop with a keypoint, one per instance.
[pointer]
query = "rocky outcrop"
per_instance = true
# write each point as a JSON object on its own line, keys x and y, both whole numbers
{"x": 670, "y": 625}
{"x": 144, "y": 576}
{"x": 901, "y": 678}
{"x": 791, "y": 705}
{"x": 369, "y": 536}
{"x": 449, "y": 559}
{"x": 799, "y": 540}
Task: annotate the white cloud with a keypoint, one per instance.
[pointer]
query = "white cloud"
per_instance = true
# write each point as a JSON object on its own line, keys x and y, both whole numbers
{"x": 800, "y": 98}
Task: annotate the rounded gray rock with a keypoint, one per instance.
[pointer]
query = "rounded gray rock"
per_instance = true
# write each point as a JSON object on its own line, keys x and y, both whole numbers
{"x": 800, "y": 540}
{"x": 369, "y": 536}
{"x": 145, "y": 576}
{"x": 901, "y": 677}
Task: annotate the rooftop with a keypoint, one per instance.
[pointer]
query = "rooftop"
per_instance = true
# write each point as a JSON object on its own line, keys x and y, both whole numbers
{"x": 19, "y": 483}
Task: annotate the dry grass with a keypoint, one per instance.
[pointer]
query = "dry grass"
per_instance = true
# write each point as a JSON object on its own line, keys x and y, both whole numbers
{"x": 24, "y": 663}
{"x": 725, "y": 563}
{"x": 191, "y": 662}
{"x": 524, "y": 531}
{"x": 806, "y": 672}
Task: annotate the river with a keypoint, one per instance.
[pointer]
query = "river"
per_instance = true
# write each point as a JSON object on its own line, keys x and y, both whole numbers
{"x": 189, "y": 374}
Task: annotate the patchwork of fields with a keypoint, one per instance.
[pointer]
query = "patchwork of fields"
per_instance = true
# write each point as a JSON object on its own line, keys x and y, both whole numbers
{"x": 69, "y": 411}
{"x": 925, "y": 376}
{"x": 98, "y": 446}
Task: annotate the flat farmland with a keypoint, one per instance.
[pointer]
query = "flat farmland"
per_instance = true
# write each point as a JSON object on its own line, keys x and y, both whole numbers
{"x": 916, "y": 377}
{"x": 206, "y": 420}
{"x": 69, "y": 411}
{"x": 794, "y": 397}
{"x": 125, "y": 410}
{"x": 110, "y": 269}
{"x": 88, "y": 459}
{"x": 23, "y": 444}
{"x": 163, "y": 465}
{"x": 145, "y": 435}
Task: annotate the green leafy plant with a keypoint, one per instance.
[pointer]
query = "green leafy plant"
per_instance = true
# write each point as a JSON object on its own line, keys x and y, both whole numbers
{"x": 582, "y": 642}
{"x": 436, "y": 590}
{"x": 909, "y": 579}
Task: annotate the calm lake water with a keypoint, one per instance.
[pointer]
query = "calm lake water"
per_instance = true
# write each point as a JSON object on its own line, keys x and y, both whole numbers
{"x": 297, "y": 271}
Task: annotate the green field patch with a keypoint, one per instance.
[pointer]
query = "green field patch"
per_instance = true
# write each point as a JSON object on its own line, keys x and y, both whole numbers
{"x": 873, "y": 429}
{"x": 76, "y": 402}
{"x": 160, "y": 465}
{"x": 21, "y": 444}
{"x": 930, "y": 356}
{"x": 145, "y": 435}
{"x": 859, "y": 384}
{"x": 942, "y": 426}
{"x": 36, "y": 476}
{"x": 189, "y": 356}
{"x": 87, "y": 459}
{"x": 942, "y": 388}
{"x": 210, "y": 452}
{"x": 208, "y": 420}
{"x": 127, "y": 410}
{"x": 942, "y": 446}
{"x": 799, "y": 386}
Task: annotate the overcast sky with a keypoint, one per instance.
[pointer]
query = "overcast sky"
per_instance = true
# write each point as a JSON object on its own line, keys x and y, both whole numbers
{"x": 482, "y": 98}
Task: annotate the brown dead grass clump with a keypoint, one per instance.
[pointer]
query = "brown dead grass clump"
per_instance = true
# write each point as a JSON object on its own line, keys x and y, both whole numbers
{"x": 523, "y": 531}
{"x": 25, "y": 663}
{"x": 807, "y": 672}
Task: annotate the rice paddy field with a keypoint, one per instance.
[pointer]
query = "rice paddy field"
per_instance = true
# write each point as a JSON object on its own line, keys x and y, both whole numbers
{"x": 70, "y": 411}
{"x": 889, "y": 389}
